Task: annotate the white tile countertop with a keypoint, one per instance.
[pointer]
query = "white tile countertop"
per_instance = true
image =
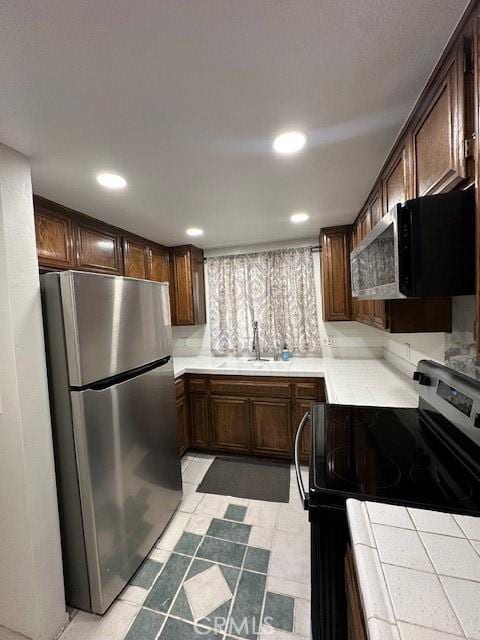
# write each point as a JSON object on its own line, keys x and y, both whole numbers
{"x": 348, "y": 381}
{"x": 418, "y": 571}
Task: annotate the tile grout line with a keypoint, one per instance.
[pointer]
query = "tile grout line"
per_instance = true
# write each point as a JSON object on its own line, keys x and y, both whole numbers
{"x": 234, "y": 595}
{"x": 426, "y": 572}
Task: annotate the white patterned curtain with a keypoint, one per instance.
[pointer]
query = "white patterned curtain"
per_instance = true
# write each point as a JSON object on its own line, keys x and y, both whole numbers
{"x": 276, "y": 288}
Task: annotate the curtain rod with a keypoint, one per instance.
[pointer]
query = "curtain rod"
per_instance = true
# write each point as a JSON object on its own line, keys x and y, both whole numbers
{"x": 316, "y": 248}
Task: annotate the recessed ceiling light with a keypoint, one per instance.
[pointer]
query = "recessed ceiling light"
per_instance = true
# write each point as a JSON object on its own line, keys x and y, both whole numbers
{"x": 301, "y": 216}
{"x": 289, "y": 142}
{"x": 194, "y": 231}
{"x": 111, "y": 181}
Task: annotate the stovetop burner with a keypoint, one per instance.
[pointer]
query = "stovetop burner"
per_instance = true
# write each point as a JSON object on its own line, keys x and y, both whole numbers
{"x": 431, "y": 479}
{"x": 363, "y": 472}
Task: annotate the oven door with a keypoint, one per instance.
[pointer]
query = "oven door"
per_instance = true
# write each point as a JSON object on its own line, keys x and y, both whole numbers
{"x": 374, "y": 262}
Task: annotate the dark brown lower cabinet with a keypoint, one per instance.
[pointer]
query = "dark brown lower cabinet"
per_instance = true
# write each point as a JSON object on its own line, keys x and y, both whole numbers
{"x": 230, "y": 419}
{"x": 355, "y": 619}
{"x": 300, "y": 408}
{"x": 271, "y": 427}
{"x": 183, "y": 428}
{"x": 199, "y": 424}
{"x": 182, "y": 419}
{"x": 245, "y": 415}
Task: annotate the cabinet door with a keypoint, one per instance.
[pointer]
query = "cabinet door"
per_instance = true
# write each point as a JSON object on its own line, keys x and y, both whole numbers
{"x": 395, "y": 181}
{"x": 181, "y": 279}
{"x": 182, "y": 422}
{"x": 158, "y": 264}
{"x": 271, "y": 431}
{"x": 438, "y": 133}
{"x": 355, "y": 618}
{"x": 337, "y": 295}
{"x": 135, "y": 259}
{"x": 375, "y": 208}
{"x": 230, "y": 423}
{"x": 200, "y": 437}
{"x": 198, "y": 285}
{"x": 300, "y": 407}
{"x": 98, "y": 250}
{"x": 54, "y": 237}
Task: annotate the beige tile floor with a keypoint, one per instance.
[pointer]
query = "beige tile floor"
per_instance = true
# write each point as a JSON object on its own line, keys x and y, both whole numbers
{"x": 282, "y": 529}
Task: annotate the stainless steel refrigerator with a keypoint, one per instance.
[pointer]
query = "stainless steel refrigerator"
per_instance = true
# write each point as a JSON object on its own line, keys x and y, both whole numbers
{"x": 112, "y": 388}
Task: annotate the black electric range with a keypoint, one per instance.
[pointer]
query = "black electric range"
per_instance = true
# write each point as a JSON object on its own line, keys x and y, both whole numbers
{"x": 424, "y": 457}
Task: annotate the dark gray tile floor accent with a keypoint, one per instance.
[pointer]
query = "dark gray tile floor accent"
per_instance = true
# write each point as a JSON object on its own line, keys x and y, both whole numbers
{"x": 233, "y": 531}
{"x": 257, "y": 559}
{"x": 221, "y": 551}
{"x": 145, "y": 626}
{"x": 181, "y": 608}
{"x": 167, "y": 583}
{"x": 231, "y": 576}
{"x": 235, "y": 512}
{"x": 217, "y": 620}
{"x": 179, "y": 630}
{"x": 278, "y": 611}
{"x": 188, "y": 543}
{"x": 250, "y": 478}
{"x": 146, "y": 575}
{"x": 197, "y": 567}
{"x": 245, "y": 620}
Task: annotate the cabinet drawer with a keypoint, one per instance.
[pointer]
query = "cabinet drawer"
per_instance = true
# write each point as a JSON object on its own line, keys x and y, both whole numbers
{"x": 197, "y": 385}
{"x": 180, "y": 387}
{"x": 251, "y": 388}
{"x": 307, "y": 390}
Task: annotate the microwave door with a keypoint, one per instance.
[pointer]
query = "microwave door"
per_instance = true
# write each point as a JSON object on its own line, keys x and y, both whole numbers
{"x": 374, "y": 262}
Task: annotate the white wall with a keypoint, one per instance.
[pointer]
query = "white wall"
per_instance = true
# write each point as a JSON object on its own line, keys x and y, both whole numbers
{"x": 31, "y": 582}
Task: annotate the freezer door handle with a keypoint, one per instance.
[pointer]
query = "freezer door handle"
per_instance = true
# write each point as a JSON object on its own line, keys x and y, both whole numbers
{"x": 298, "y": 436}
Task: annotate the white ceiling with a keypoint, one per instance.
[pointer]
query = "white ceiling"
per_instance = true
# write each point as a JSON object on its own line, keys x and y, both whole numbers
{"x": 183, "y": 97}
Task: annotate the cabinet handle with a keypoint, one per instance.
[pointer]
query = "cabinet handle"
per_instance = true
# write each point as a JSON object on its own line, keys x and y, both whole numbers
{"x": 298, "y": 435}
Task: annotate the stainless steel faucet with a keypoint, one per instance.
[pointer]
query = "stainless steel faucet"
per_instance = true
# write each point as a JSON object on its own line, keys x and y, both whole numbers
{"x": 256, "y": 344}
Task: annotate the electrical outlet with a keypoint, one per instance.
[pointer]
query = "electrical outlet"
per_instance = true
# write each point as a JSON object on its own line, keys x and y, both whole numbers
{"x": 328, "y": 341}
{"x": 185, "y": 342}
{"x": 407, "y": 351}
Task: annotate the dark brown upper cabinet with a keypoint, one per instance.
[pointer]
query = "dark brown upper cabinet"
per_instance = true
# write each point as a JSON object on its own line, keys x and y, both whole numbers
{"x": 437, "y": 136}
{"x": 187, "y": 285}
{"x": 54, "y": 237}
{"x": 375, "y": 207}
{"x": 135, "y": 258}
{"x": 98, "y": 249}
{"x": 159, "y": 264}
{"x": 335, "y": 256}
{"x": 395, "y": 180}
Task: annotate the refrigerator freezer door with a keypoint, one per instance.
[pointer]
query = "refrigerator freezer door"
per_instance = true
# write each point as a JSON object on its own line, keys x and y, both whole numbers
{"x": 113, "y": 324}
{"x": 129, "y": 475}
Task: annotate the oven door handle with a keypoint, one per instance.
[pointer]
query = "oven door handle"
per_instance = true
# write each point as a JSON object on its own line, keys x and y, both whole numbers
{"x": 298, "y": 435}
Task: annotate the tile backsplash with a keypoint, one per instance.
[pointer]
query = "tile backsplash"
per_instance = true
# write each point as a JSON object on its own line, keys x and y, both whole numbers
{"x": 191, "y": 341}
{"x": 460, "y": 350}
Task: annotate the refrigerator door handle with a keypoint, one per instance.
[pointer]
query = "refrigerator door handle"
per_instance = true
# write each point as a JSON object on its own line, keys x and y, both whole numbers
{"x": 101, "y": 385}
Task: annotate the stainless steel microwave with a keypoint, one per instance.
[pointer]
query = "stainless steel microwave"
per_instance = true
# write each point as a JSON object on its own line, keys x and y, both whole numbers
{"x": 424, "y": 247}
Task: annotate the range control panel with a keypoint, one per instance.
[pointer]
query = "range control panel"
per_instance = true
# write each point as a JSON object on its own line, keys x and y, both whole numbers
{"x": 455, "y": 397}
{"x": 452, "y": 394}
